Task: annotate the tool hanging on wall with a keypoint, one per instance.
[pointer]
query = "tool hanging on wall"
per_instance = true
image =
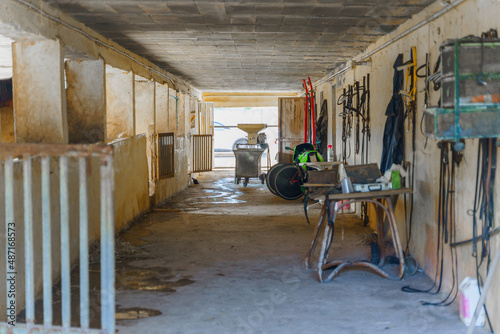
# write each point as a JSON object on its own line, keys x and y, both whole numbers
{"x": 425, "y": 67}
{"x": 322, "y": 129}
{"x": 312, "y": 96}
{"x": 409, "y": 93}
{"x": 355, "y": 101}
{"x": 356, "y": 142}
{"x": 345, "y": 100}
{"x": 365, "y": 107}
{"x": 310, "y": 113}
{"x": 446, "y": 215}
{"x": 426, "y": 75}
{"x": 365, "y": 111}
{"x": 413, "y": 72}
{"x": 306, "y": 113}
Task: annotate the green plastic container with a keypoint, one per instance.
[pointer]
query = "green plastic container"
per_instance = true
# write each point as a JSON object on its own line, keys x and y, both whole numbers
{"x": 396, "y": 179}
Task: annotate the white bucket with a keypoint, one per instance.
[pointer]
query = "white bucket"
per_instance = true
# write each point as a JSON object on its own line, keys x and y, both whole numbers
{"x": 468, "y": 293}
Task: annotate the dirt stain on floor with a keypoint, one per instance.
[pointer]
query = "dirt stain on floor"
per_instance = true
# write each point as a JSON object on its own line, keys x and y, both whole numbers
{"x": 129, "y": 249}
{"x": 150, "y": 279}
{"x": 135, "y": 313}
{"x": 136, "y": 237}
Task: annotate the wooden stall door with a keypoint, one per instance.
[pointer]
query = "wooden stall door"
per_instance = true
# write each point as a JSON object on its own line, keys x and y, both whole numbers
{"x": 290, "y": 126}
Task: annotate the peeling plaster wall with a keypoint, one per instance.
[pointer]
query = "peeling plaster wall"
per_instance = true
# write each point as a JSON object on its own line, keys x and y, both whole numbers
{"x": 173, "y": 106}
{"x": 120, "y": 109}
{"x": 161, "y": 105}
{"x": 145, "y": 121}
{"x": 166, "y": 188}
{"x": 38, "y": 84}
{"x": 191, "y": 115}
{"x": 131, "y": 180}
{"x": 181, "y": 114}
{"x": 86, "y": 101}
{"x": 471, "y": 17}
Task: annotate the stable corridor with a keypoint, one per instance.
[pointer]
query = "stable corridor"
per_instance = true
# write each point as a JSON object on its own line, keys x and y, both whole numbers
{"x": 221, "y": 258}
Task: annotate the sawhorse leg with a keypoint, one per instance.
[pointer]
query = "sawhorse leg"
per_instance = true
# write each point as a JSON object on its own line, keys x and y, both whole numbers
{"x": 314, "y": 241}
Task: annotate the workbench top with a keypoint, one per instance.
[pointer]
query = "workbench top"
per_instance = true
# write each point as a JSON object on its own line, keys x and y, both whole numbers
{"x": 359, "y": 195}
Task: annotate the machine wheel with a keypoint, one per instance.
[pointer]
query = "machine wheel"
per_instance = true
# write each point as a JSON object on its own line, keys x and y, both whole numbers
{"x": 237, "y": 180}
{"x": 271, "y": 174}
{"x": 288, "y": 182}
{"x": 245, "y": 182}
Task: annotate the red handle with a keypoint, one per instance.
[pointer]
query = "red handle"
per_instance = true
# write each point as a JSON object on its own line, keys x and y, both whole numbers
{"x": 313, "y": 115}
{"x": 306, "y": 112}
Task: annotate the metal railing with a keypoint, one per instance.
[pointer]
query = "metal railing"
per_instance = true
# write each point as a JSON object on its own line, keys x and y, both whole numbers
{"x": 78, "y": 160}
{"x": 165, "y": 154}
{"x": 202, "y": 153}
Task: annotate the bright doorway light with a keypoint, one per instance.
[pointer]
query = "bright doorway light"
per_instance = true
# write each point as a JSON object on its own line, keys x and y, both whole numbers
{"x": 226, "y": 132}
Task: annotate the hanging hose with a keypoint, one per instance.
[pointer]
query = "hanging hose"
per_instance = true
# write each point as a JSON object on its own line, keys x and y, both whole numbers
{"x": 446, "y": 201}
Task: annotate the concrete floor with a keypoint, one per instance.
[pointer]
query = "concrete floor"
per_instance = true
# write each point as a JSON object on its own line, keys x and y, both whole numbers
{"x": 221, "y": 258}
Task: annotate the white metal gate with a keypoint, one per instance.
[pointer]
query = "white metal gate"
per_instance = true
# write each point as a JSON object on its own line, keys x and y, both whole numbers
{"x": 70, "y": 167}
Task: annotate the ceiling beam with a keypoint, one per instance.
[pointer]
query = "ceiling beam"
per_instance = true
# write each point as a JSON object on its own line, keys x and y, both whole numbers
{"x": 245, "y": 99}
